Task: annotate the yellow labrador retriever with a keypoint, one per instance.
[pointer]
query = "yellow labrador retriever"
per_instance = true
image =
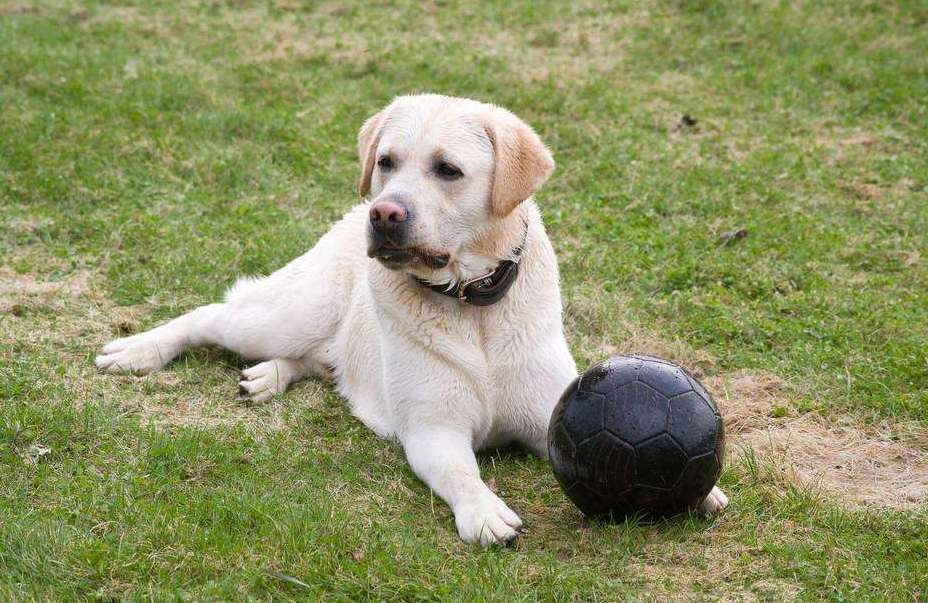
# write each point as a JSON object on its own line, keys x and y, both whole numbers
{"x": 435, "y": 306}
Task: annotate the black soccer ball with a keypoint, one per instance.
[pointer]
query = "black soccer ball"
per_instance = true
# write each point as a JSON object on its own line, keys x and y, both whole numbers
{"x": 636, "y": 435}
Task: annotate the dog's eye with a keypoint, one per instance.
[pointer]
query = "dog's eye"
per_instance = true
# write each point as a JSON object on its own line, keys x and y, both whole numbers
{"x": 385, "y": 163}
{"x": 446, "y": 171}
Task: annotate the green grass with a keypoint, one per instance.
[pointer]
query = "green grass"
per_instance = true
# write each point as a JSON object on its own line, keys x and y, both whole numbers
{"x": 154, "y": 152}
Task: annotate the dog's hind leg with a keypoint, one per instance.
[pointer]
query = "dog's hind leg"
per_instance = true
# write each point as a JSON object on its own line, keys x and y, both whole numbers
{"x": 259, "y": 320}
{"x": 151, "y": 350}
{"x": 286, "y": 315}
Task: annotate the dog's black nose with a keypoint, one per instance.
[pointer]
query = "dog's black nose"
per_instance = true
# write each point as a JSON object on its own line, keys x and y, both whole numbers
{"x": 388, "y": 215}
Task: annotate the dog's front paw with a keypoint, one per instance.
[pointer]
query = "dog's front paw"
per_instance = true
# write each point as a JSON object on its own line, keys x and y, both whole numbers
{"x": 260, "y": 382}
{"x": 134, "y": 355}
{"x": 486, "y": 519}
{"x": 714, "y": 502}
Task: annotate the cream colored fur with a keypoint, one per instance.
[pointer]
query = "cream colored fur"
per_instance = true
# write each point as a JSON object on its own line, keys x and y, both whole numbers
{"x": 442, "y": 377}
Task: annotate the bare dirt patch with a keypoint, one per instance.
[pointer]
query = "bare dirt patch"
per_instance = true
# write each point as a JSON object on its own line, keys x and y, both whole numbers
{"x": 862, "y": 465}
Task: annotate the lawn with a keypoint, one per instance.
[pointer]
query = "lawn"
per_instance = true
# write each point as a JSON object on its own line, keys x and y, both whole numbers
{"x": 152, "y": 152}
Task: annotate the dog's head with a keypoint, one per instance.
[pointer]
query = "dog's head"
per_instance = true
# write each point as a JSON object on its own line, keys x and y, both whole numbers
{"x": 440, "y": 172}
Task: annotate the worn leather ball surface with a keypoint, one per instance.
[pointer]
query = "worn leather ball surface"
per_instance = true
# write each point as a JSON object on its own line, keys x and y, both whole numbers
{"x": 636, "y": 435}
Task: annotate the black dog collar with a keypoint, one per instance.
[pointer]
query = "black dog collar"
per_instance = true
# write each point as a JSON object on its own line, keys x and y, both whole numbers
{"x": 484, "y": 290}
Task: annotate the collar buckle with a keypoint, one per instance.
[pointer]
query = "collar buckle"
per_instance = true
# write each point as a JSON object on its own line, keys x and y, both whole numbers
{"x": 462, "y": 288}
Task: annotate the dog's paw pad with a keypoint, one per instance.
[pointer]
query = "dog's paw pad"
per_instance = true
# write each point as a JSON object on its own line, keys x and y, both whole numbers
{"x": 133, "y": 356}
{"x": 487, "y": 520}
{"x": 261, "y": 382}
{"x": 714, "y": 502}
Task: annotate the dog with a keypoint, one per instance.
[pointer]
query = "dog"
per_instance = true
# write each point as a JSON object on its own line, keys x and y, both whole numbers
{"x": 434, "y": 305}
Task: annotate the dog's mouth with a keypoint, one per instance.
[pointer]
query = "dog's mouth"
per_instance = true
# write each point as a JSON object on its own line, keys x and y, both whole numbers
{"x": 395, "y": 257}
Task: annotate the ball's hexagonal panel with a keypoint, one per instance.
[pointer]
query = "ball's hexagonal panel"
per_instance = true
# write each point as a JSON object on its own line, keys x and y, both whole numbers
{"x": 699, "y": 389}
{"x": 659, "y": 463}
{"x": 605, "y": 464}
{"x": 693, "y": 424}
{"x": 562, "y": 453}
{"x": 651, "y": 502}
{"x": 560, "y": 441}
{"x": 586, "y": 500}
{"x": 699, "y": 475}
{"x": 636, "y": 412}
{"x": 615, "y": 372}
{"x": 583, "y": 415}
{"x": 666, "y": 378}
{"x": 561, "y": 406}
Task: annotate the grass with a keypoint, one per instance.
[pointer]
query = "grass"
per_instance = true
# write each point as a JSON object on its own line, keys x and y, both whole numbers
{"x": 151, "y": 152}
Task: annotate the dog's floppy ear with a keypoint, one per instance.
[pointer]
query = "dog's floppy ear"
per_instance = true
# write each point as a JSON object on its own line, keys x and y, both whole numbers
{"x": 523, "y": 162}
{"x": 368, "y": 139}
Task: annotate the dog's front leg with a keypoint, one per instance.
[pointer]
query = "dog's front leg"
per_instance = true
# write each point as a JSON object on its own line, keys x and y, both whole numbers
{"x": 444, "y": 459}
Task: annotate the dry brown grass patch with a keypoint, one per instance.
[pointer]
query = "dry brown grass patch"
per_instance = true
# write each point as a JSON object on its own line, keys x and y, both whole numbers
{"x": 861, "y": 465}
{"x": 287, "y": 39}
{"x": 18, "y": 8}
{"x": 674, "y": 571}
{"x": 55, "y": 312}
{"x": 586, "y": 44}
{"x": 841, "y": 144}
{"x": 61, "y": 323}
{"x": 24, "y": 290}
{"x": 167, "y": 399}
